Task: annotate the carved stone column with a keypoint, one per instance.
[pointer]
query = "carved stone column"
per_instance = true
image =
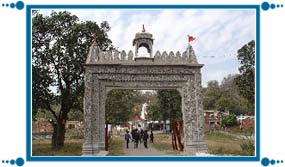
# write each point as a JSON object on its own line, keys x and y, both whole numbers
{"x": 101, "y": 117}
{"x": 200, "y": 141}
{"x": 88, "y": 147}
{"x": 193, "y": 116}
{"x": 96, "y": 114}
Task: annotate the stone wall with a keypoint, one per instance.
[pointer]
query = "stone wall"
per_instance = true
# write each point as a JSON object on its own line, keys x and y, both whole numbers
{"x": 43, "y": 130}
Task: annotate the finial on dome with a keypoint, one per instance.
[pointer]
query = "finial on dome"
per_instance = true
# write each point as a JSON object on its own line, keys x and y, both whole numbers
{"x": 143, "y": 30}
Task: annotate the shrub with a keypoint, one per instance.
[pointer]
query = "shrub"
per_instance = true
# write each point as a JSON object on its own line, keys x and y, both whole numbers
{"x": 248, "y": 148}
{"x": 229, "y": 120}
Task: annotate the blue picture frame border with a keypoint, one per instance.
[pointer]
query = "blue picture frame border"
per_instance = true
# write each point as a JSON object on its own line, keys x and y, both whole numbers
{"x": 29, "y": 156}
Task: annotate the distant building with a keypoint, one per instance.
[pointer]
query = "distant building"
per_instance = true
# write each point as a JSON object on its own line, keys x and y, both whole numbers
{"x": 212, "y": 117}
{"x": 246, "y": 121}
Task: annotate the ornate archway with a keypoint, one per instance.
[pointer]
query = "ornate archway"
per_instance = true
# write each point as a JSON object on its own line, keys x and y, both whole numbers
{"x": 105, "y": 71}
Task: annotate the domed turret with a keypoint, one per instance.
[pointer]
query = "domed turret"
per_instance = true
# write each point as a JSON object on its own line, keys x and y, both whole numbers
{"x": 143, "y": 39}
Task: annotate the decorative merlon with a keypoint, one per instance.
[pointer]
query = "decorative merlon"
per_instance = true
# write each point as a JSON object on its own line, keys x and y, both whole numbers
{"x": 97, "y": 56}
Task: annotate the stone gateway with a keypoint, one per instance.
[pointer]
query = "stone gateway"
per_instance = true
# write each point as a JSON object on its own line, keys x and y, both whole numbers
{"x": 105, "y": 71}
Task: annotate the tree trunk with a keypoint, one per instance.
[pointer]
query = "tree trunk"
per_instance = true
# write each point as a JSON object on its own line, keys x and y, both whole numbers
{"x": 180, "y": 135}
{"x": 58, "y": 134}
{"x": 177, "y": 135}
{"x": 173, "y": 134}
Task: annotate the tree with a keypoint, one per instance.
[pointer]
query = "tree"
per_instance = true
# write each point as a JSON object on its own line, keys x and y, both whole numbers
{"x": 246, "y": 80}
{"x": 59, "y": 48}
{"x": 154, "y": 109}
{"x": 211, "y": 94}
{"x": 119, "y": 105}
{"x": 170, "y": 105}
{"x": 230, "y": 98}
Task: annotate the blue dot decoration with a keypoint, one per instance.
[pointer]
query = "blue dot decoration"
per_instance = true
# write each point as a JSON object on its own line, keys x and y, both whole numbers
{"x": 7, "y": 4}
{"x": 20, "y": 5}
{"x": 12, "y": 162}
{"x": 277, "y": 161}
{"x": 265, "y": 6}
{"x": 265, "y": 161}
{"x": 20, "y": 161}
{"x": 277, "y": 5}
{"x": 281, "y": 161}
{"x": 3, "y": 161}
{"x": 272, "y": 6}
{"x": 272, "y": 162}
{"x": 7, "y": 161}
{"x": 281, "y": 5}
{"x": 12, "y": 5}
{"x": 3, "y": 4}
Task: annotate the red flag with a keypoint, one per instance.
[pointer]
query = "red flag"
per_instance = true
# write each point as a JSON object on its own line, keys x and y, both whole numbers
{"x": 191, "y": 38}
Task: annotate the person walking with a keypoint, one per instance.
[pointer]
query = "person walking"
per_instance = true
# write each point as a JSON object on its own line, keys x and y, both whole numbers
{"x": 145, "y": 138}
{"x": 127, "y": 138}
{"x": 136, "y": 138}
{"x": 141, "y": 136}
{"x": 151, "y": 136}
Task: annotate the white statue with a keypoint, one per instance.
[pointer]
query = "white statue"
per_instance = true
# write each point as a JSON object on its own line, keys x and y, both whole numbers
{"x": 144, "y": 112}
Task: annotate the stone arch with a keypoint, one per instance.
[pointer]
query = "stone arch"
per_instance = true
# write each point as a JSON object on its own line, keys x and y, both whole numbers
{"x": 99, "y": 80}
{"x": 143, "y": 51}
{"x": 103, "y": 75}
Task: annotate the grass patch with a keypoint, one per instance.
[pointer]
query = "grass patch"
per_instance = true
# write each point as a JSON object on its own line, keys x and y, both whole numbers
{"x": 162, "y": 142}
{"x": 116, "y": 146}
{"x": 222, "y": 144}
{"x": 218, "y": 144}
{"x": 44, "y": 148}
{"x": 245, "y": 132}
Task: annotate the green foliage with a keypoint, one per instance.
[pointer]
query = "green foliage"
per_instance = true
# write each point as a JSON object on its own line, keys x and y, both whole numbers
{"x": 211, "y": 94}
{"x": 75, "y": 115}
{"x": 60, "y": 45}
{"x": 225, "y": 97}
{"x": 119, "y": 104}
{"x": 248, "y": 148}
{"x": 169, "y": 104}
{"x": 246, "y": 81}
{"x": 42, "y": 114}
{"x": 236, "y": 93}
{"x": 229, "y": 120}
{"x": 154, "y": 109}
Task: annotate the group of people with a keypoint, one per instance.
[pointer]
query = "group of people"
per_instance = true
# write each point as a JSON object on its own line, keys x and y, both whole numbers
{"x": 137, "y": 136}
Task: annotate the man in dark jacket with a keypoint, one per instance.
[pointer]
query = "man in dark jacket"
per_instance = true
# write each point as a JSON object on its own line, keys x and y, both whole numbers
{"x": 151, "y": 137}
{"x": 136, "y": 138}
{"x": 145, "y": 138}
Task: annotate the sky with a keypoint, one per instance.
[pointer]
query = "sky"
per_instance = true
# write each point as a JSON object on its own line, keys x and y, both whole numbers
{"x": 219, "y": 33}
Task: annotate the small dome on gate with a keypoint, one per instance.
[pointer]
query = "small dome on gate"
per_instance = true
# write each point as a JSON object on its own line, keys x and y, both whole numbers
{"x": 143, "y": 39}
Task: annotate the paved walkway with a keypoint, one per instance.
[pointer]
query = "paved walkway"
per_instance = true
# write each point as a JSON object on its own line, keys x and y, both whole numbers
{"x": 141, "y": 151}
